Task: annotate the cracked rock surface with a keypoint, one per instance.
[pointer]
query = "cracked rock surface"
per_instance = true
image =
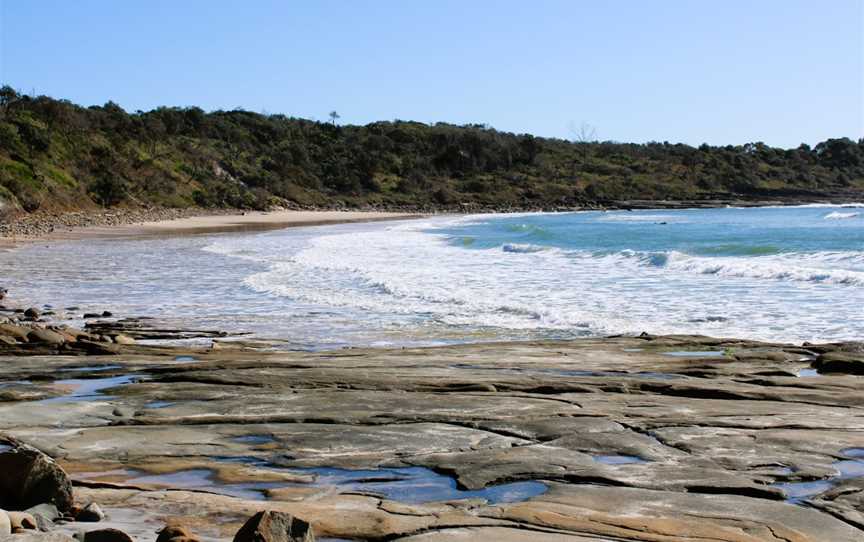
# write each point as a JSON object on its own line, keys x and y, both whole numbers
{"x": 632, "y": 438}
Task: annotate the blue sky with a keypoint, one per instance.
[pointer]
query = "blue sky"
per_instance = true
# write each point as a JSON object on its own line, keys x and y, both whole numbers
{"x": 730, "y": 71}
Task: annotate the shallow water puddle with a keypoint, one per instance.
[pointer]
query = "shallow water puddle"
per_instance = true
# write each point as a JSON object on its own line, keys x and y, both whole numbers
{"x": 204, "y": 479}
{"x": 797, "y": 492}
{"x": 619, "y": 459}
{"x": 90, "y": 368}
{"x": 14, "y": 383}
{"x": 572, "y": 372}
{"x": 185, "y": 358}
{"x": 158, "y": 404}
{"x": 420, "y": 485}
{"x": 853, "y": 452}
{"x": 695, "y": 354}
{"x": 808, "y": 373}
{"x": 91, "y": 389}
{"x": 254, "y": 439}
{"x": 412, "y": 485}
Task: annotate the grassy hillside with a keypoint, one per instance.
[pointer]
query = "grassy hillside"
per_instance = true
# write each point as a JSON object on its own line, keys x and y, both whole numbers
{"x": 55, "y": 155}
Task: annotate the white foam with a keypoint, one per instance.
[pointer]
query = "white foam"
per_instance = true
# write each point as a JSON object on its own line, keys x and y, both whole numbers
{"x": 420, "y": 276}
{"x": 522, "y": 248}
{"x": 816, "y": 267}
{"x": 839, "y": 216}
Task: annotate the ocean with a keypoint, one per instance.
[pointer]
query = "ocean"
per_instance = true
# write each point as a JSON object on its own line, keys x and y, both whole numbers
{"x": 786, "y": 274}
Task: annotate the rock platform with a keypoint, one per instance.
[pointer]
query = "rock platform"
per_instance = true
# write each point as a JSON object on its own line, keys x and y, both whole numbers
{"x": 675, "y": 438}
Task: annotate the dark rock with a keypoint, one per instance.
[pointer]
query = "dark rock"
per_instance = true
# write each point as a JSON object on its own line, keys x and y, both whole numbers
{"x": 90, "y": 513}
{"x": 271, "y": 526}
{"x": 88, "y": 315}
{"x": 96, "y": 348}
{"x": 45, "y": 336}
{"x": 32, "y": 312}
{"x": 840, "y": 362}
{"x": 107, "y": 314}
{"x": 28, "y": 478}
{"x": 107, "y": 535}
{"x": 175, "y": 532}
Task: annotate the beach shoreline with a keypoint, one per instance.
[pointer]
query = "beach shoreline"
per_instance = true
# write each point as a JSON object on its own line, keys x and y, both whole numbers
{"x": 156, "y": 222}
{"x": 197, "y": 223}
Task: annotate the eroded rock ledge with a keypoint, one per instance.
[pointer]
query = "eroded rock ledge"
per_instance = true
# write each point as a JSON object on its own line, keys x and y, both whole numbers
{"x": 627, "y": 438}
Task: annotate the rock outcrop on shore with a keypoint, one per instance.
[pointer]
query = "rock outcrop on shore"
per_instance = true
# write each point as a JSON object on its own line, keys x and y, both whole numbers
{"x": 626, "y": 438}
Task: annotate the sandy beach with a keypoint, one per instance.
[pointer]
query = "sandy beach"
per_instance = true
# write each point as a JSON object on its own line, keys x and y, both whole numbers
{"x": 201, "y": 224}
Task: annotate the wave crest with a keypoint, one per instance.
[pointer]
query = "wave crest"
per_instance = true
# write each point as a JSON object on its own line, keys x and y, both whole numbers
{"x": 791, "y": 267}
{"x": 839, "y": 216}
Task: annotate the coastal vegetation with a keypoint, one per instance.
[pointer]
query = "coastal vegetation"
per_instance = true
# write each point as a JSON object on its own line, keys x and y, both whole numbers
{"x": 57, "y": 156}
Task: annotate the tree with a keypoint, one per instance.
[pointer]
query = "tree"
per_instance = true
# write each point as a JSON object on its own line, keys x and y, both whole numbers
{"x": 583, "y": 137}
{"x": 334, "y": 116}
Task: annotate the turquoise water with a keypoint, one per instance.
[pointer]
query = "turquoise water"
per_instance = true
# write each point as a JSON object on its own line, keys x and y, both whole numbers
{"x": 781, "y": 274}
{"x": 700, "y": 232}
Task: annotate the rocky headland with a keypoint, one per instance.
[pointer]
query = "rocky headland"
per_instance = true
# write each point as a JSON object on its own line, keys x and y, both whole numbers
{"x": 674, "y": 438}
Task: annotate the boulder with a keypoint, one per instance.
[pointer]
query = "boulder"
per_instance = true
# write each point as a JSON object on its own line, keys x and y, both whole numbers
{"x": 174, "y": 532}
{"x": 5, "y": 524}
{"x": 45, "y": 336}
{"x": 90, "y": 513}
{"x": 107, "y": 535}
{"x": 19, "y": 333}
{"x": 21, "y": 522}
{"x": 842, "y": 362}
{"x": 269, "y": 526}
{"x": 7, "y": 340}
{"x": 32, "y": 312}
{"x": 28, "y": 478}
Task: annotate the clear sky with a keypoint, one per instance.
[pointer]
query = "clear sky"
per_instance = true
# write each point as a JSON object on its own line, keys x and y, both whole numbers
{"x": 721, "y": 71}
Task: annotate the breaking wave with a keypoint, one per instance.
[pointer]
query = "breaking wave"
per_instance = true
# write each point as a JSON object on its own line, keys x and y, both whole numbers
{"x": 839, "y": 216}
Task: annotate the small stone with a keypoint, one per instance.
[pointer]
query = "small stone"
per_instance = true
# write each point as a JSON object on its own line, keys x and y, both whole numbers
{"x": 107, "y": 314}
{"x": 123, "y": 339}
{"x": 269, "y": 526}
{"x": 175, "y": 532}
{"x": 88, "y": 315}
{"x": 21, "y": 522}
{"x": 92, "y": 512}
{"x": 32, "y": 312}
{"x": 107, "y": 535}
